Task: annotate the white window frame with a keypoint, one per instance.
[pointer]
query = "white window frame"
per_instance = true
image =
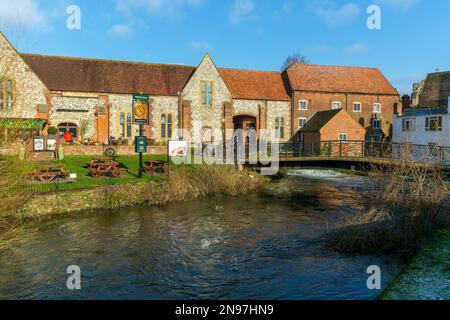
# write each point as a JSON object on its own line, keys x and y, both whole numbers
{"x": 438, "y": 119}
{"x": 300, "y": 119}
{"x": 300, "y": 105}
{"x": 412, "y": 124}
{"x": 341, "y": 135}
{"x": 373, "y": 123}
{"x": 337, "y": 103}
{"x": 375, "y": 105}
{"x": 360, "y": 106}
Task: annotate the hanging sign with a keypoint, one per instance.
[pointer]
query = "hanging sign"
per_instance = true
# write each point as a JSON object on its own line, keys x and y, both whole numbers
{"x": 141, "y": 108}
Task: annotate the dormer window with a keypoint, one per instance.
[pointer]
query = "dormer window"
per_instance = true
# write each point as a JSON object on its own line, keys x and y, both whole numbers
{"x": 207, "y": 93}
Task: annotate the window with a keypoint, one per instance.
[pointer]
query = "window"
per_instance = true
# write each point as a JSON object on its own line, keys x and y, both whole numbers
{"x": 122, "y": 125}
{"x": 207, "y": 93}
{"x": 377, "y": 108}
{"x": 336, "y": 105}
{"x": 7, "y": 95}
{"x": 409, "y": 124}
{"x": 375, "y": 138}
{"x": 357, "y": 107}
{"x": 279, "y": 128}
{"x": 343, "y": 137}
{"x": 376, "y": 123}
{"x": 303, "y": 105}
{"x": 302, "y": 122}
{"x": 129, "y": 133}
{"x": 433, "y": 123}
{"x": 166, "y": 126}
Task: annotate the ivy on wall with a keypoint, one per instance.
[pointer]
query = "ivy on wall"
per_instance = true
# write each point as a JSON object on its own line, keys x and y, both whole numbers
{"x": 21, "y": 124}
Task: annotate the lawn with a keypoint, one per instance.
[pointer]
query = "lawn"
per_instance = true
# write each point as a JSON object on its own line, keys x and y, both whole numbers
{"x": 78, "y": 165}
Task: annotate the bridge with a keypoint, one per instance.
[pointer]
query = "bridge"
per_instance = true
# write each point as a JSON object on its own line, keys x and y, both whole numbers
{"x": 359, "y": 155}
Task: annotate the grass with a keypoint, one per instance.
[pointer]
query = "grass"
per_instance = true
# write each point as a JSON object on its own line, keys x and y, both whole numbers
{"x": 78, "y": 165}
{"x": 405, "y": 205}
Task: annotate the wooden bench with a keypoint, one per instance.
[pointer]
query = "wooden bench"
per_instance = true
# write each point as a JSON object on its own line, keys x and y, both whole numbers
{"x": 46, "y": 173}
{"x": 105, "y": 166}
{"x": 153, "y": 166}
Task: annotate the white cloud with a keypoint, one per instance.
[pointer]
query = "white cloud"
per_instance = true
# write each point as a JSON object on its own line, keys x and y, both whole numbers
{"x": 120, "y": 31}
{"x": 201, "y": 46}
{"x": 165, "y": 8}
{"x": 22, "y": 14}
{"x": 339, "y": 16}
{"x": 242, "y": 10}
{"x": 403, "y": 4}
{"x": 357, "y": 48}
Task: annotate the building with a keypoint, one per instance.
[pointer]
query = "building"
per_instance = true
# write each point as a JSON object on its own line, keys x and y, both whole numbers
{"x": 427, "y": 127}
{"x": 332, "y": 125}
{"x": 433, "y": 91}
{"x": 92, "y": 98}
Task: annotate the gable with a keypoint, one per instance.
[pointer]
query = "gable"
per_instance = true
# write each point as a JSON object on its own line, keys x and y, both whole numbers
{"x": 343, "y": 121}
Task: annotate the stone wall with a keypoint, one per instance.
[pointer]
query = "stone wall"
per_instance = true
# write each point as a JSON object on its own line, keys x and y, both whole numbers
{"x": 278, "y": 109}
{"x": 98, "y": 150}
{"x": 206, "y": 116}
{"x": 29, "y": 91}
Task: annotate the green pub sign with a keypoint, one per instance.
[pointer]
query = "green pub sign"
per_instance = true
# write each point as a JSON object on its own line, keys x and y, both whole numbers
{"x": 141, "y": 144}
{"x": 141, "y": 108}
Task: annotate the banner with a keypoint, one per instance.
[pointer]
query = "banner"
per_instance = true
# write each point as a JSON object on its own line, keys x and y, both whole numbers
{"x": 178, "y": 149}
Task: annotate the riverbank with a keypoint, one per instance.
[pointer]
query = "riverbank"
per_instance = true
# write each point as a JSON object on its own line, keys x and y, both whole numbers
{"x": 184, "y": 183}
{"x": 427, "y": 276}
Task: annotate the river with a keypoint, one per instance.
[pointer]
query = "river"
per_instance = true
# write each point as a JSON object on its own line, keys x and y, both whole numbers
{"x": 265, "y": 245}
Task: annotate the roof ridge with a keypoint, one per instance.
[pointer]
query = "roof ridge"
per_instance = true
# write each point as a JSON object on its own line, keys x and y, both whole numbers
{"x": 105, "y": 60}
{"x": 253, "y": 70}
{"x": 335, "y": 66}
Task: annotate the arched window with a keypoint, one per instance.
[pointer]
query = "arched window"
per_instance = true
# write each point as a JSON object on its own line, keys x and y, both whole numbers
{"x": 67, "y": 126}
{"x": 122, "y": 125}
{"x": 279, "y": 128}
{"x": 169, "y": 126}
{"x": 129, "y": 133}
{"x": 163, "y": 126}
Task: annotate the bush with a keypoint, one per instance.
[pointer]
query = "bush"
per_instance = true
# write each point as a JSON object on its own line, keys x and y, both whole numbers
{"x": 52, "y": 131}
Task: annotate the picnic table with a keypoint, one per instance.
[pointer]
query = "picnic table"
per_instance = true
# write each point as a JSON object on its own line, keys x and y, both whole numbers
{"x": 102, "y": 166}
{"x": 48, "y": 172}
{"x": 155, "y": 166}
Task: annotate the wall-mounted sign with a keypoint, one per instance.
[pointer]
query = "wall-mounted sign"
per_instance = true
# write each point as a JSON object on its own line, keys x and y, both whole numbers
{"x": 51, "y": 143}
{"x": 141, "y": 107}
{"x": 38, "y": 143}
{"x": 178, "y": 149}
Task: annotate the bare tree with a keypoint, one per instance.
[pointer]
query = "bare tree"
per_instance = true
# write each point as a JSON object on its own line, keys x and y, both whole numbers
{"x": 293, "y": 59}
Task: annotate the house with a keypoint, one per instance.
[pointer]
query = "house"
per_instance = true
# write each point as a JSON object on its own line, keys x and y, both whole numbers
{"x": 364, "y": 93}
{"x": 333, "y": 130}
{"x": 427, "y": 128}
{"x": 92, "y": 98}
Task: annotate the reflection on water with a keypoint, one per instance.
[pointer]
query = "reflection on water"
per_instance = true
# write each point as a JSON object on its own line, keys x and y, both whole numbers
{"x": 261, "y": 246}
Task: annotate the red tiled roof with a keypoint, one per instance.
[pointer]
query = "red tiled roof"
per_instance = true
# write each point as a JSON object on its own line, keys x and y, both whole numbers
{"x": 106, "y": 76}
{"x": 307, "y": 77}
{"x": 255, "y": 85}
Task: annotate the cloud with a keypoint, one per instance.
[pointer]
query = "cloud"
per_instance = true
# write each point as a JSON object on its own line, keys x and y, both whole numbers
{"x": 22, "y": 14}
{"x": 120, "y": 31}
{"x": 201, "y": 46}
{"x": 403, "y": 4}
{"x": 357, "y": 48}
{"x": 242, "y": 10}
{"x": 165, "y": 8}
{"x": 339, "y": 16}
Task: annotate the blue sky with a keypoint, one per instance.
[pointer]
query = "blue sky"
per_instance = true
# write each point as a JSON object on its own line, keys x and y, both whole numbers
{"x": 253, "y": 34}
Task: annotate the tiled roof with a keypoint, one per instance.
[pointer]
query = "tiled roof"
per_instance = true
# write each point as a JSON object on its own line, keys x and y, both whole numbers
{"x": 106, "y": 76}
{"x": 319, "y": 120}
{"x": 306, "y": 77}
{"x": 255, "y": 85}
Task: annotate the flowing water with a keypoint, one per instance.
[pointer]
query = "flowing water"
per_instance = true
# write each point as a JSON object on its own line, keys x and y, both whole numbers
{"x": 265, "y": 245}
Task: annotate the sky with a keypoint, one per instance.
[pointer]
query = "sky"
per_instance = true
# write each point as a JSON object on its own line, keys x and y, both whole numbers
{"x": 412, "y": 38}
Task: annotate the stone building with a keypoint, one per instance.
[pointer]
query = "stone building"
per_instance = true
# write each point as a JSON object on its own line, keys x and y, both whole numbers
{"x": 92, "y": 98}
{"x": 435, "y": 90}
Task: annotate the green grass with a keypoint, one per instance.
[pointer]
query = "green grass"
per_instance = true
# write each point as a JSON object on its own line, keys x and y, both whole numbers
{"x": 78, "y": 165}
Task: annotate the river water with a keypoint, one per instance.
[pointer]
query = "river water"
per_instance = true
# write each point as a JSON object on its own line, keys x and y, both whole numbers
{"x": 265, "y": 245}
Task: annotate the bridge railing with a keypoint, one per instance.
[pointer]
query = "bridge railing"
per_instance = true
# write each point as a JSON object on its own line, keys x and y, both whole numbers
{"x": 339, "y": 150}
